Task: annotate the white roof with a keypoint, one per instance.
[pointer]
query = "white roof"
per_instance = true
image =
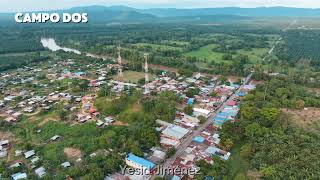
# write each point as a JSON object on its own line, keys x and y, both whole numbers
{"x": 66, "y": 164}
{"x": 175, "y": 132}
{"x": 29, "y": 153}
{"x": 203, "y": 111}
{"x": 19, "y": 175}
{"x": 169, "y": 142}
{"x": 40, "y": 171}
{"x": 55, "y": 137}
{"x": 159, "y": 154}
{"x": 4, "y": 142}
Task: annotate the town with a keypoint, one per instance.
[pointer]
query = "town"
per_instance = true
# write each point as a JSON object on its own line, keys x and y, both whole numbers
{"x": 159, "y": 93}
{"x": 206, "y": 103}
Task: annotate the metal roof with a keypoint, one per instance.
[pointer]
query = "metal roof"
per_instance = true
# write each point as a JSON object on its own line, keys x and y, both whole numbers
{"x": 141, "y": 161}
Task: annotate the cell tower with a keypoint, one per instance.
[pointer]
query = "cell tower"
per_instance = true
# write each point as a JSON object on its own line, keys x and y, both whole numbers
{"x": 120, "y": 74}
{"x": 146, "y": 73}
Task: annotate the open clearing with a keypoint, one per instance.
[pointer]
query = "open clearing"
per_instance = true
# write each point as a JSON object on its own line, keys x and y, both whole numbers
{"x": 308, "y": 119}
{"x": 206, "y": 52}
{"x": 72, "y": 153}
{"x": 133, "y": 76}
{"x": 255, "y": 55}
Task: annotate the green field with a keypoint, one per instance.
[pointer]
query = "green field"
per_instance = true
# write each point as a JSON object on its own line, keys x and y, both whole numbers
{"x": 255, "y": 55}
{"x": 157, "y": 46}
{"x": 133, "y": 76}
{"x": 206, "y": 52}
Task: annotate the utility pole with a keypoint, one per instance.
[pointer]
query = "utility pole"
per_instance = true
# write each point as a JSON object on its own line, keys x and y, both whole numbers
{"x": 146, "y": 73}
{"x": 120, "y": 74}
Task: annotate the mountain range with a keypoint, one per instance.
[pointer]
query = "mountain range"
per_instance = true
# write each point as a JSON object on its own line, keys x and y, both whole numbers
{"x": 124, "y": 14}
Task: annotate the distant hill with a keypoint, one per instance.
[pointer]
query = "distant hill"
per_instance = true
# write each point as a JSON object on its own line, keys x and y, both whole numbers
{"x": 256, "y": 12}
{"x": 124, "y": 14}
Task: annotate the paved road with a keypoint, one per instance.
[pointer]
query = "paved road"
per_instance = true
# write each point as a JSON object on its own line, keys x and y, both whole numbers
{"x": 186, "y": 142}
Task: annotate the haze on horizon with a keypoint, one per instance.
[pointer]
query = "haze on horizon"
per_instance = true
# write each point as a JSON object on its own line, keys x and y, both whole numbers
{"x": 32, "y": 5}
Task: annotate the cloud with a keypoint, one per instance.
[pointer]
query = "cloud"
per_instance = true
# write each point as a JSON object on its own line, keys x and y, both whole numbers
{"x": 30, "y": 5}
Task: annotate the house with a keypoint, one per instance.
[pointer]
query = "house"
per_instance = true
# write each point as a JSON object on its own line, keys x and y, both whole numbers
{"x": 18, "y": 152}
{"x": 10, "y": 119}
{"x": 3, "y": 153}
{"x": 190, "y": 101}
{"x": 169, "y": 142}
{"x": 199, "y": 139}
{"x": 109, "y": 120}
{"x": 158, "y": 155}
{"x": 29, "y": 154}
{"x": 17, "y": 115}
{"x": 41, "y": 171}
{"x": 9, "y": 98}
{"x": 232, "y": 103}
{"x": 28, "y": 109}
{"x": 4, "y": 143}
{"x": 218, "y": 152}
{"x": 35, "y": 159}
{"x": 139, "y": 163}
{"x": 80, "y": 74}
{"x": 55, "y": 137}
{"x": 19, "y": 175}
{"x": 15, "y": 165}
{"x": 201, "y": 112}
{"x": 66, "y": 164}
{"x": 100, "y": 123}
{"x": 175, "y": 132}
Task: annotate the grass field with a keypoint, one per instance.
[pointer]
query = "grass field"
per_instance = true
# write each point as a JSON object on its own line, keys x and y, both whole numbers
{"x": 255, "y": 54}
{"x": 133, "y": 76}
{"x": 158, "y": 47}
{"x": 206, "y": 52}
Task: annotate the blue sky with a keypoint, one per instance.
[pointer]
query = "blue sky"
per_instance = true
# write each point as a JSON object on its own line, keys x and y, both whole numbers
{"x": 31, "y": 5}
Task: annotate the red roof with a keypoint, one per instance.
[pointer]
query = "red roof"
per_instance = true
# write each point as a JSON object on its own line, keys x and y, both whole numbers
{"x": 92, "y": 110}
{"x": 232, "y": 103}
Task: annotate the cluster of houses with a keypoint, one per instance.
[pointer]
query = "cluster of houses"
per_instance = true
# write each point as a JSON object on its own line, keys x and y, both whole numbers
{"x": 203, "y": 147}
{"x": 35, "y": 162}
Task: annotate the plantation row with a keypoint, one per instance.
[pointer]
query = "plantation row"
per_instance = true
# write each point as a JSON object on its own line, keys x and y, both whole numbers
{"x": 302, "y": 45}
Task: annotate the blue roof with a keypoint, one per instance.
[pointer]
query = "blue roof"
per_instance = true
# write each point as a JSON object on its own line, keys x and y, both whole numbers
{"x": 175, "y": 178}
{"x": 190, "y": 101}
{"x": 198, "y": 139}
{"x": 220, "y": 119}
{"x": 241, "y": 93}
{"x": 209, "y": 178}
{"x": 141, "y": 161}
{"x": 80, "y": 73}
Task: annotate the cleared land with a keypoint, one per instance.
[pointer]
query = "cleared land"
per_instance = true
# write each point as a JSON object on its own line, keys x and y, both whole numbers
{"x": 308, "y": 119}
{"x": 206, "y": 52}
{"x": 133, "y": 76}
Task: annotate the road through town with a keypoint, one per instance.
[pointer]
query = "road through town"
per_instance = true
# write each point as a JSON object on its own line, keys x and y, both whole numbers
{"x": 186, "y": 142}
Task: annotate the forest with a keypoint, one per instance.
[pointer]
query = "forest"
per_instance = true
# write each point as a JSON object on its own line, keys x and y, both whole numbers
{"x": 272, "y": 147}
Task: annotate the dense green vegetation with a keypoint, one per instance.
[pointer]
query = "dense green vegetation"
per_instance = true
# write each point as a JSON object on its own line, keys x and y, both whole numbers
{"x": 275, "y": 148}
{"x": 301, "y": 44}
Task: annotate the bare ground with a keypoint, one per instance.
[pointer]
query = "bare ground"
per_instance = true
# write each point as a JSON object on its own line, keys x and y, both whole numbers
{"x": 308, "y": 118}
{"x": 72, "y": 153}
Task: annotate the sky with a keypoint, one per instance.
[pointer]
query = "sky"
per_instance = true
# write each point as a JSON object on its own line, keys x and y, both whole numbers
{"x": 32, "y": 5}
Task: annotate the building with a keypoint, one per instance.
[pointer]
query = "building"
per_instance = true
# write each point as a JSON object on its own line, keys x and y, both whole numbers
{"x": 201, "y": 112}
{"x": 139, "y": 163}
{"x": 29, "y": 154}
{"x": 40, "y": 172}
{"x": 19, "y": 175}
{"x": 175, "y": 132}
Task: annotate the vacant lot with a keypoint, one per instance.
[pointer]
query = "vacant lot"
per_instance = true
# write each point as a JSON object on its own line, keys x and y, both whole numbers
{"x": 308, "y": 119}
{"x": 133, "y": 76}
